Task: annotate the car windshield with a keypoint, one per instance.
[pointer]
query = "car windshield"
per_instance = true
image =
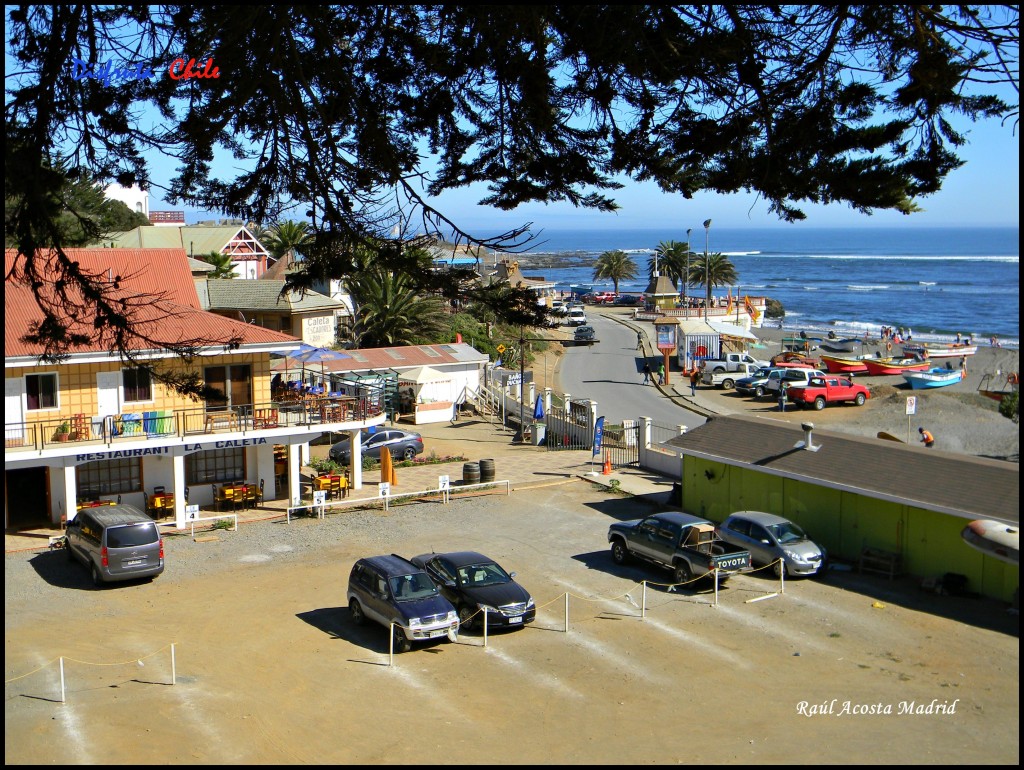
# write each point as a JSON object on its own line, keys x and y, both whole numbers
{"x": 410, "y": 587}
{"x": 786, "y": 532}
{"x": 479, "y": 575}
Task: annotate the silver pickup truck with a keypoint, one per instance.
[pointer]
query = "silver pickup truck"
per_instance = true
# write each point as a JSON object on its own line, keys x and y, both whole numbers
{"x": 685, "y": 544}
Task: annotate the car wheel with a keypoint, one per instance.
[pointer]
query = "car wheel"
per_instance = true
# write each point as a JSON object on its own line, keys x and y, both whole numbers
{"x": 758, "y": 391}
{"x": 97, "y": 579}
{"x": 682, "y": 573}
{"x": 466, "y": 617}
{"x": 357, "y": 612}
{"x": 859, "y": 401}
{"x": 402, "y": 644}
{"x": 779, "y": 566}
{"x": 409, "y": 453}
{"x": 727, "y": 384}
{"x": 619, "y": 553}
{"x": 819, "y": 403}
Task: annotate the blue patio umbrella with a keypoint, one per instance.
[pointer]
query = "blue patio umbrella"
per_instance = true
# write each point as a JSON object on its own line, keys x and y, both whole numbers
{"x": 310, "y": 354}
{"x": 538, "y": 410}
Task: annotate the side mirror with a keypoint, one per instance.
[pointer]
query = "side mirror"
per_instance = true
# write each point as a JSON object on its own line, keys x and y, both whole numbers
{"x": 511, "y": 574}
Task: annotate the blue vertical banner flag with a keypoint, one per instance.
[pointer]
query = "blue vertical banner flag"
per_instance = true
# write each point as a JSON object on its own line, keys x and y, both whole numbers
{"x": 598, "y": 435}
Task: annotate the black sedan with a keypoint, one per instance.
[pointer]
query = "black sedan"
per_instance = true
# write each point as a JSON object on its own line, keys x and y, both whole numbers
{"x": 402, "y": 444}
{"x": 475, "y": 585}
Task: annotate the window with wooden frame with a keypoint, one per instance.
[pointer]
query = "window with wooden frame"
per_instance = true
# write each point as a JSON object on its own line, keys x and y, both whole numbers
{"x": 41, "y": 391}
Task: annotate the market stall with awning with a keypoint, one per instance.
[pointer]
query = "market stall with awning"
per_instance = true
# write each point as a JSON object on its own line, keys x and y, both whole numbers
{"x": 425, "y": 395}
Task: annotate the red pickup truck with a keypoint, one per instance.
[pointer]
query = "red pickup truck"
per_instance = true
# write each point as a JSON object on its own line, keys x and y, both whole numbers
{"x": 827, "y": 390}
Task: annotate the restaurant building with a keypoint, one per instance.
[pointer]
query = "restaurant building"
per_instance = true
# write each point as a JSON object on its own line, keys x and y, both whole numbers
{"x": 93, "y": 428}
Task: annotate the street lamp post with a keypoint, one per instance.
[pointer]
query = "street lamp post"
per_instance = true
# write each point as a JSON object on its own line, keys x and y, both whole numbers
{"x": 707, "y": 285}
{"x": 686, "y": 277}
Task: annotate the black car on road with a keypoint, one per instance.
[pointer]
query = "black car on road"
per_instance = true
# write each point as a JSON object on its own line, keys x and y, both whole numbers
{"x": 402, "y": 444}
{"x": 476, "y": 584}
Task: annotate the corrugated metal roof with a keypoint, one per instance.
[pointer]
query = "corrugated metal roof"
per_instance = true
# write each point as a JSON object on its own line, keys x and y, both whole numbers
{"x": 157, "y": 284}
{"x": 193, "y": 239}
{"x": 962, "y": 485}
{"x": 368, "y": 359}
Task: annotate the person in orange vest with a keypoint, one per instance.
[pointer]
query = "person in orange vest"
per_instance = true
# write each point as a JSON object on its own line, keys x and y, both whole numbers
{"x": 694, "y": 379}
{"x": 926, "y": 438}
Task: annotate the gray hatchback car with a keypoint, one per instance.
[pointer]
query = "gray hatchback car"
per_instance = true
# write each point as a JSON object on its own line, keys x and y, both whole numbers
{"x": 769, "y": 538}
{"x": 115, "y": 543}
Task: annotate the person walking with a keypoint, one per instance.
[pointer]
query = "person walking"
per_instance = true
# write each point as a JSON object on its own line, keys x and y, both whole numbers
{"x": 639, "y": 340}
{"x": 963, "y": 366}
{"x": 661, "y": 373}
{"x": 694, "y": 379}
{"x": 926, "y": 438}
{"x": 782, "y": 397}
{"x": 647, "y": 373}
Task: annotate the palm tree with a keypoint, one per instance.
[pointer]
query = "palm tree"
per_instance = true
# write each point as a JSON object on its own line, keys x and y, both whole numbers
{"x": 222, "y": 264}
{"x": 712, "y": 270}
{"x": 671, "y": 261}
{"x": 389, "y": 312}
{"x": 288, "y": 236}
{"x": 616, "y": 266}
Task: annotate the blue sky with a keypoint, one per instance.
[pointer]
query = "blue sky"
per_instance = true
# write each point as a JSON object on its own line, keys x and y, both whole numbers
{"x": 984, "y": 192}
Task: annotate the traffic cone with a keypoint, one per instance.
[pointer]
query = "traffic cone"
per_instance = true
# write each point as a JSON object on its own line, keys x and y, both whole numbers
{"x": 607, "y": 470}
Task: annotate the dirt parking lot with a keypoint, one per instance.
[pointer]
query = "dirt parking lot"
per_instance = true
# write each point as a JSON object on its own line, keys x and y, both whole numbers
{"x": 271, "y": 670}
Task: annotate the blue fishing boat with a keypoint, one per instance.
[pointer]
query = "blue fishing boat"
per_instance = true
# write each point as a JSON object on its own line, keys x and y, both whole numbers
{"x": 933, "y": 378}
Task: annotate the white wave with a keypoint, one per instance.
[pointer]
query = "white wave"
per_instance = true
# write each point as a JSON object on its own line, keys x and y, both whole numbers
{"x": 909, "y": 257}
{"x": 926, "y": 283}
{"x": 811, "y": 288}
{"x": 867, "y": 287}
{"x": 741, "y": 253}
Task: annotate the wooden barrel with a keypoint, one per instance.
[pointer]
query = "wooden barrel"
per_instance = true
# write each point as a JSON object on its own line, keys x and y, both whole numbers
{"x": 486, "y": 470}
{"x": 471, "y": 473}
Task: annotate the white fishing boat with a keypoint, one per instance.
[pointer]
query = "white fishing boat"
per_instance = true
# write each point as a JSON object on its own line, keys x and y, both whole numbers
{"x": 994, "y": 538}
{"x": 933, "y": 378}
{"x": 940, "y": 350}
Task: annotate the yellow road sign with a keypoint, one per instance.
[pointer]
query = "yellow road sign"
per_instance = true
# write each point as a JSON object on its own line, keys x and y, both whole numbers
{"x": 501, "y": 348}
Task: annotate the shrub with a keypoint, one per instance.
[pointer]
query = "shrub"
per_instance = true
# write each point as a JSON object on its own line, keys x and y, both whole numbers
{"x": 1009, "y": 407}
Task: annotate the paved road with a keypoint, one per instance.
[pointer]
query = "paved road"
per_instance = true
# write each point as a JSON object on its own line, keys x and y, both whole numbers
{"x": 611, "y": 373}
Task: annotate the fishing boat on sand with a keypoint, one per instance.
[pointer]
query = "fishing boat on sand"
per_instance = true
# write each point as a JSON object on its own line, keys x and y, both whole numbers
{"x": 933, "y": 378}
{"x": 845, "y": 364}
{"x": 994, "y": 538}
{"x": 1010, "y": 385}
{"x": 880, "y": 366}
{"x": 939, "y": 350}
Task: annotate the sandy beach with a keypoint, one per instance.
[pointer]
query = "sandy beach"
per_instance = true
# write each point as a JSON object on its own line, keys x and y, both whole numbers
{"x": 961, "y": 419}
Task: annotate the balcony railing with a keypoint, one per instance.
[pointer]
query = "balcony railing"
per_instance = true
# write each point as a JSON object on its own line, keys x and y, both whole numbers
{"x": 82, "y": 429}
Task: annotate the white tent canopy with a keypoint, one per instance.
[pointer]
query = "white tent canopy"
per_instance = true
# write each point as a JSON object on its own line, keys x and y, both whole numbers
{"x": 422, "y": 375}
{"x": 732, "y": 330}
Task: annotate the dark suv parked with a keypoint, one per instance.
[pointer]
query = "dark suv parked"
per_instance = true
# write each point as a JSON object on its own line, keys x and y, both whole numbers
{"x": 390, "y": 589}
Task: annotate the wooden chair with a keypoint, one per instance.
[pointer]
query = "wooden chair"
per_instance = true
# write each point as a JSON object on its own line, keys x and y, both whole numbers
{"x": 265, "y": 418}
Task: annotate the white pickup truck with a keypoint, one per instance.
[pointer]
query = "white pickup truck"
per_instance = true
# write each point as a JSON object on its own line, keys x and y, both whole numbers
{"x": 727, "y": 380}
{"x": 731, "y": 362}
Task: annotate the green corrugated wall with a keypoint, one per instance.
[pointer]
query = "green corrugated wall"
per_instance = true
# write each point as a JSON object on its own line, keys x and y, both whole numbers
{"x": 844, "y": 522}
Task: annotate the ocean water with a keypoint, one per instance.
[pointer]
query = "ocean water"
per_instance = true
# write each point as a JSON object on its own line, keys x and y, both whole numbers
{"x": 935, "y": 281}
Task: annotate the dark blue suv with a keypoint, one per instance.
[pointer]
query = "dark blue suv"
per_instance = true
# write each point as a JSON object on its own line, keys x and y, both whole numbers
{"x": 392, "y": 590}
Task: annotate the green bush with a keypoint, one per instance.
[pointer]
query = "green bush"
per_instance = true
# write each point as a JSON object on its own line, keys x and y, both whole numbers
{"x": 1009, "y": 407}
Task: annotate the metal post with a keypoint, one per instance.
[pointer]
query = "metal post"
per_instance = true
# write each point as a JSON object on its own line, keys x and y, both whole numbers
{"x": 643, "y": 603}
{"x": 62, "y": 700}
{"x": 391, "y": 644}
{"x": 686, "y": 278}
{"x": 707, "y": 287}
{"x": 174, "y": 675}
{"x": 485, "y": 626}
{"x": 716, "y": 586}
{"x": 782, "y": 576}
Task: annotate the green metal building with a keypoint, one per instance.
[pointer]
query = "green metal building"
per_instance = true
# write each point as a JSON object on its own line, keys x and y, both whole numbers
{"x": 856, "y": 495}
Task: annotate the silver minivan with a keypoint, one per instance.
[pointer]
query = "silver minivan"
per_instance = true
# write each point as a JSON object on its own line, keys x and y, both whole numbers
{"x": 118, "y": 542}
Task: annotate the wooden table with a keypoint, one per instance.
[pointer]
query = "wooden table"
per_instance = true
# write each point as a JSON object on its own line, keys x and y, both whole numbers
{"x": 235, "y": 494}
{"x": 160, "y": 504}
{"x": 213, "y": 419}
{"x": 334, "y": 484}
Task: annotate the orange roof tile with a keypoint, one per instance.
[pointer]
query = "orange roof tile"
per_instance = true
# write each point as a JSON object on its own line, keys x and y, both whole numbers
{"x": 155, "y": 284}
